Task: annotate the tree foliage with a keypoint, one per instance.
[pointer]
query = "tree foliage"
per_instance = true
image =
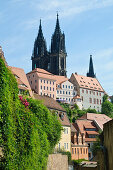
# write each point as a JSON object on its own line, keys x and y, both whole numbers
{"x": 26, "y": 132}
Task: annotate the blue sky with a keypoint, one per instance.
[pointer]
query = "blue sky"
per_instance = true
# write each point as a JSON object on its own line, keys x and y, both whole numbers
{"x": 88, "y": 28}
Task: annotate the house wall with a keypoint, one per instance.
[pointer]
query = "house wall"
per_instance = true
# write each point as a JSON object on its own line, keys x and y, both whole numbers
{"x": 43, "y": 86}
{"x": 65, "y": 141}
{"x": 108, "y": 144}
{"x": 65, "y": 91}
{"x": 91, "y": 99}
{"x": 79, "y": 152}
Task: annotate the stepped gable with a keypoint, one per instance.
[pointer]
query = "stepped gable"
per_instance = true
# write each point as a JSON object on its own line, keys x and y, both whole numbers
{"x": 43, "y": 73}
{"x": 21, "y": 78}
{"x": 88, "y": 82}
{"x": 99, "y": 119}
{"x": 50, "y": 103}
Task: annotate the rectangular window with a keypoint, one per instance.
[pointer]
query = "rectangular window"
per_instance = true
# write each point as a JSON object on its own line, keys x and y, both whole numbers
{"x": 72, "y": 151}
{"x": 59, "y": 145}
{"x": 31, "y": 82}
{"x": 66, "y": 92}
{"x": 53, "y": 95}
{"x": 63, "y": 92}
{"x": 47, "y": 81}
{"x": 64, "y": 145}
{"x": 44, "y": 81}
{"x": 47, "y": 88}
{"x": 50, "y": 82}
{"x": 50, "y": 88}
{"x": 60, "y": 92}
{"x": 57, "y": 92}
{"x": 100, "y": 94}
{"x": 53, "y": 88}
{"x": 67, "y": 145}
{"x": 90, "y": 100}
{"x": 67, "y": 130}
{"x": 44, "y": 87}
{"x": 41, "y": 81}
{"x": 87, "y": 91}
{"x": 63, "y": 86}
{"x": 66, "y": 86}
{"x": 75, "y": 150}
{"x": 53, "y": 83}
{"x": 69, "y": 87}
{"x": 35, "y": 81}
{"x": 41, "y": 87}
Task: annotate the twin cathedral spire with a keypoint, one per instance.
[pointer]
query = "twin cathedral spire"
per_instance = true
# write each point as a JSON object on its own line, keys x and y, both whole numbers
{"x": 54, "y": 60}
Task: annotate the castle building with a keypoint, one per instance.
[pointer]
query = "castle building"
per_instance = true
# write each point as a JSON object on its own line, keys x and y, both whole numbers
{"x": 53, "y": 61}
{"x": 89, "y": 90}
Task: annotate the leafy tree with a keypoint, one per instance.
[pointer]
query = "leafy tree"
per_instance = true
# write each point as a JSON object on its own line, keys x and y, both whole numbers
{"x": 107, "y": 108}
{"x": 91, "y": 111}
{"x": 105, "y": 97}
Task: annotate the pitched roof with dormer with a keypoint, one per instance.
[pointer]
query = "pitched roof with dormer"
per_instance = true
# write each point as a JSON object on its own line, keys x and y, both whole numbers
{"x": 88, "y": 82}
{"x": 99, "y": 119}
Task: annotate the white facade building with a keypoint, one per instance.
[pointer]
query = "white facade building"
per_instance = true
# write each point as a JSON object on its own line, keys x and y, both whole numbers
{"x": 65, "y": 91}
{"x": 89, "y": 90}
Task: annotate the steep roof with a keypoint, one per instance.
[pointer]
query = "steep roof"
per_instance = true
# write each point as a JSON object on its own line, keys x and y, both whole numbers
{"x": 22, "y": 79}
{"x": 49, "y": 102}
{"x": 99, "y": 119}
{"x": 42, "y": 73}
{"x": 88, "y": 82}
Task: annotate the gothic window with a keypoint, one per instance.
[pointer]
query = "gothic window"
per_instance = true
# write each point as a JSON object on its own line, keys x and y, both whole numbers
{"x": 62, "y": 63}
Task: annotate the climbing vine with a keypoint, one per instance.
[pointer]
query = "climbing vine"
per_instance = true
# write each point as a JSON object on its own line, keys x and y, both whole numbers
{"x": 29, "y": 131}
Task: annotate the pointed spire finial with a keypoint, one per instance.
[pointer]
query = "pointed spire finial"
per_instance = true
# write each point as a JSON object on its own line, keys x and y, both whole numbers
{"x": 91, "y": 69}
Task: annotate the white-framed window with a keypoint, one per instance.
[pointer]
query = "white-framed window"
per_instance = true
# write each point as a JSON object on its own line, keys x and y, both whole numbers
{"x": 64, "y": 145}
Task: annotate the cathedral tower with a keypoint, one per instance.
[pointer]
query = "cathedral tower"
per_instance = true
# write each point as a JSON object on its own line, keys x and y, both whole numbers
{"x": 40, "y": 57}
{"x": 58, "y": 52}
{"x": 91, "y": 69}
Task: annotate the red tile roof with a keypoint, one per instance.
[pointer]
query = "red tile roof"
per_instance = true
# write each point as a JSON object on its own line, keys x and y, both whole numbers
{"x": 19, "y": 72}
{"x": 50, "y": 103}
{"x": 88, "y": 82}
{"x": 99, "y": 119}
{"x": 43, "y": 74}
{"x": 92, "y": 133}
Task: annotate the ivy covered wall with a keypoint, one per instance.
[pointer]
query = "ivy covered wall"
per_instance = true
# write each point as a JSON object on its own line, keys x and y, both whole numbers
{"x": 27, "y": 134}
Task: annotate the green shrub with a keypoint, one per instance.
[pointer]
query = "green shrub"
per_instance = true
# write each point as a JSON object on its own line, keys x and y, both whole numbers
{"x": 26, "y": 133}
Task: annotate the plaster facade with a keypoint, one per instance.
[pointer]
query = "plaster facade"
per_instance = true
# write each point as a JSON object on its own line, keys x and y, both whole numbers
{"x": 65, "y": 91}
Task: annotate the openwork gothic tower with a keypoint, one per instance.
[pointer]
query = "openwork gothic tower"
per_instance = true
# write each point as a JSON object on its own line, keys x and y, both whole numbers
{"x": 53, "y": 61}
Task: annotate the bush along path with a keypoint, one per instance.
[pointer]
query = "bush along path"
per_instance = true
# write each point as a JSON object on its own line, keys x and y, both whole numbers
{"x": 29, "y": 131}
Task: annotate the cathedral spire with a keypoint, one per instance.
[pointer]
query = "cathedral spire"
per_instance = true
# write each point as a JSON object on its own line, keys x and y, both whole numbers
{"x": 91, "y": 69}
{"x": 40, "y": 33}
{"x": 57, "y": 28}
